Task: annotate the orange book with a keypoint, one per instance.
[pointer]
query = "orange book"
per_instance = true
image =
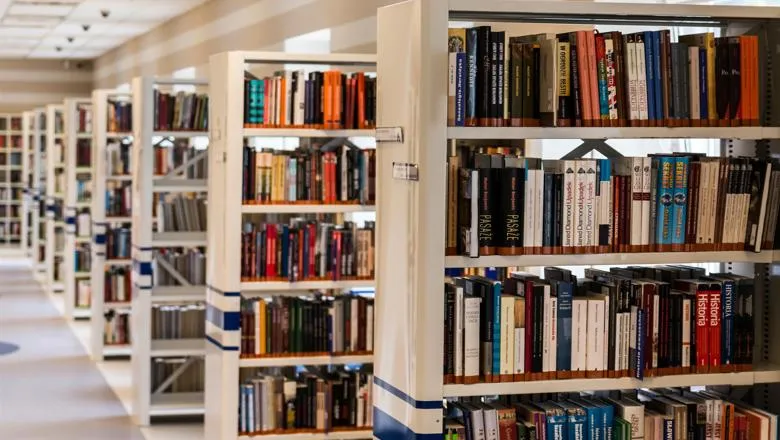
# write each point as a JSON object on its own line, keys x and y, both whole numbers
{"x": 361, "y": 100}
{"x": 584, "y": 77}
{"x": 327, "y": 105}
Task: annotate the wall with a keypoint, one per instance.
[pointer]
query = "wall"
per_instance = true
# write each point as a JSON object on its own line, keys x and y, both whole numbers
{"x": 26, "y": 84}
{"x": 221, "y": 25}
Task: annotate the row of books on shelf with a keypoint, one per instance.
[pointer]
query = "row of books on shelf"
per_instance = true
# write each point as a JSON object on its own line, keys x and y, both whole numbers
{"x": 117, "y": 285}
{"x": 499, "y": 203}
{"x": 82, "y": 258}
{"x": 83, "y": 293}
{"x": 84, "y": 118}
{"x": 116, "y": 330}
{"x": 119, "y": 199}
{"x": 654, "y": 414}
{"x": 120, "y": 116}
{"x": 307, "y": 250}
{"x": 83, "y": 188}
{"x": 118, "y": 158}
{"x": 13, "y": 123}
{"x": 10, "y": 229}
{"x": 286, "y": 326}
{"x": 327, "y": 100}
{"x": 610, "y": 79}
{"x": 181, "y": 213}
{"x": 84, "y": 153}
{"x": 305, "y": 402}
{"x": 342, "y": 175}
{"x": 181, "y": 112}
{"x": 178, "y": 321}
{"x": 118, "y": 242}
{"x": 14, "y": 142}
{"x": 83, "y": 223}
{"x": 168, "y": 158}
{"x": 10, "y": 193}
{"x": 190, "y": 380}
{"x": 626, "y": 322}
{"x": 189, "y": 264}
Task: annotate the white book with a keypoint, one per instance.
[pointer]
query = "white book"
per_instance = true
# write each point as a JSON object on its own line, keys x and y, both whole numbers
{"x": 641, "y": 81}
{"x": 579, "y": 196}
{"x": 594, "y": 360}
{"x": 507, "y": 354}
{"x": 632, "y": 333}
{"x": 628, "y": 321}
{"x": 757, "y": 230}
{"x": 478, "y": 424}
{"x": 452, "y": 86}
{"x": 530, "y": 190}
{"x": 579, "y": 333}
{"x": 686, "y": 332}
{"x": 473, "y": 238}
{"x": 459, "y": 322}
{"x": 519, "y": 350}
{"x": 300, "y": 103}
{"x": 539, "y": 206}
{"x": 633, "y": 103}
{"x": 609, "y": 51}
{"x": 590, "y": 203}
{"x": 604, "y": 331}
{"x": 353, "y": 337}
{"x": 646, "y": 183}
{"x": 491, "y": 423}
{"x": 717, "y": 417}
{"x": 637, "y": 187}
{"x": 569, "y": 195}
{"x": 553, "y": 352}
{"x": 547, "y": 330}
{"x": 471, "y": 336}
{"x": 693, "y": 80}
{"x": 714, "y": 188}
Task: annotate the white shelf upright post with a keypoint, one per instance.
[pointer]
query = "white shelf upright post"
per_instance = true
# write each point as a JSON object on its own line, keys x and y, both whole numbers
{"x": 147, "y": 404}
{"x": 101, "y": 139}
{"x": 54, "y": 197}
{"x": 73, "y": 207}
{"x": 225, "y": 219}
{"x": 38, "y": 143}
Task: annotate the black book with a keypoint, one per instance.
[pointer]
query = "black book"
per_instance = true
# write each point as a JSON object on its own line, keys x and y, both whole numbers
{"x": 564, "y": 65}
{"x": 735, "y": 82}
{"x": 574, "y": 77}
{"x": 493, "y": 74}
{"x": 500, "y": 63}
{"x": 485, "y": 225}
{"x": 483, "y": 75}
{"x": 515, "y": 84}
{"x": 511, "y": 189}
{"x": 722, "y": 78}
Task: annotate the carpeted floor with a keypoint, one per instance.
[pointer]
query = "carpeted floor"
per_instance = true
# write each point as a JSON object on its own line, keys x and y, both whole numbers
{"x": 49, "y": 388}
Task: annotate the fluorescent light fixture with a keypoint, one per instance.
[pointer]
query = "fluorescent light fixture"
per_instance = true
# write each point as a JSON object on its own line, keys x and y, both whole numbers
{"x": 31, "y": 21}
{"x": 40, "y": 10}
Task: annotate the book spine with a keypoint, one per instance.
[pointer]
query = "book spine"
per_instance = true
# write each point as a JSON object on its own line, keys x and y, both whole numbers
{"x": 471, "y": 68}
{"x": 497, "y": 330}
{"x": 471, "y": 319}
{"x": 686, "y": 334}
{"x": 612, "y": 90}
{"x": 679, "y": 199}
{"x": 702, "y": 330}
{"x": 635, "y": 233}
{"x": 646, "y": 202}
{"x": 631, "y": 66}
{"x": 727, "y": 336}
{"x": 664, "y": 213}
{"x": 714, "y": 328}
{"x": 582, "y": 68}
{"x": 564, "y": 330}
{"x": 604, "y": 203}
{"x": 593, "y": 76}
{"x": 649, "y": 48}
{"x": 564, "y": 84}
{"x": 601, "y": 60}
{"x": 460, "y": 90}
{"x": 641, "y": 80}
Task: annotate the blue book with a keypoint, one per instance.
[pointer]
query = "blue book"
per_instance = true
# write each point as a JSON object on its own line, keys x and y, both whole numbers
{"x": 727, "y": 319}
{"x": 703, "y": 95}
{"x": 471, "y": 65}
{"x": 604, "y": 176}
{"x": 607, "y": 417}
{"x": 292, "y": 173}
{"x": 668, "y": 426}
{"x": 563, "y": 355}
{"x": 576, "y": 420}
{"x": 680, "y": 199}
{"x": 650, "y": 73}
{"x": 496, "y": 329}
{"x": 665, "y": 189}
{"x": 285, "y": 249}
{"x": 461, "y": 74}
{"x": 639, "y": 355}
{"x": 555, "y": 426}
{"x": 594, "y": 429}
{"x": 658, "y": 88}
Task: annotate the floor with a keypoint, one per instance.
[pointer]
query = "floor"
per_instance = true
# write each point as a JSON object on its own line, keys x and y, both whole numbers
{"x": 49, "y": 387}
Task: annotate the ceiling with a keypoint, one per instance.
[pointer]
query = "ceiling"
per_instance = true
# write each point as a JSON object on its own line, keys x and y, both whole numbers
{"x": 42, "y": 28}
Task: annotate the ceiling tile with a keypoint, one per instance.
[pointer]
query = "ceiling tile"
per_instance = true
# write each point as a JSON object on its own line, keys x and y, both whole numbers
{"x": 31, "y": 20}
{"x": 19, "y": 31}
{"x": 49, "y": 10}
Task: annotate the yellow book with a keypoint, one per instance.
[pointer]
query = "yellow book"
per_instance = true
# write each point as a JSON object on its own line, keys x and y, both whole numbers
{"x": 260, "y": 347}
{"x": 706, "y": 41}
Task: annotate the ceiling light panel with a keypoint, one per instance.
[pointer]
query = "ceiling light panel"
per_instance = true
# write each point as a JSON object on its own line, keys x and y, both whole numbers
{"x": 31, "y": 21}
{"x": 47, "y": 10}
{"x": 19, "y": 31}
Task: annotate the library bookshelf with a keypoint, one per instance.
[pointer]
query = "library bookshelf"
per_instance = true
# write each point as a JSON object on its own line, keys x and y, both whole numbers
{"x": 147, "y": 265}
{"x": 55, "y": 197}
{"x": 11, "y": 184}
{"x": 226, "y": 289}
{"x": 77, "y": 116}
{"x": 36, "y": 140}
{"x": 412, "y": 66}
{"x": 103, "y": 179}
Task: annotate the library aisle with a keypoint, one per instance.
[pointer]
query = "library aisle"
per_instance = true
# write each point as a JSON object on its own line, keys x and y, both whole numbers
{"x": 73, "y": 397}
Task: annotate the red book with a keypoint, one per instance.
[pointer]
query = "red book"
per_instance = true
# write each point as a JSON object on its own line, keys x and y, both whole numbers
{"x": 702, "y": 328}
{"x": 582, "y": 56}
{"x": 714, "y": 327}
{"x": 337, "y": 255}
{"x": 312, "y": 248}
{"x": 529, "y": 325}
{"x": 361, "y": 100}
{"x": 507, "y": 425}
